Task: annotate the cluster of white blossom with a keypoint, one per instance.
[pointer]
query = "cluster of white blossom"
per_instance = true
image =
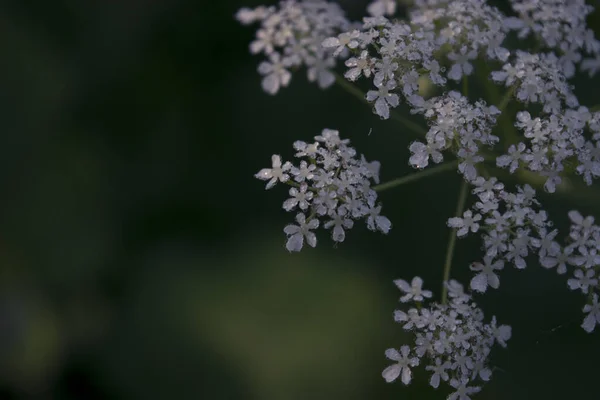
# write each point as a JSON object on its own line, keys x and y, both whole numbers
{"x": 559, "y": 25}
{"x": 556, "y": 141}
{"x": 582, "y": 254}
{"x": 450, "y": 340}
{"x": 290, "y": 36}
{"x": 458, "y": 125}
{"x": 331, "y": 184}
{"x": 512, "y": 227}
{"x": 538, "y": 79}
{"x": 555, "y": 137}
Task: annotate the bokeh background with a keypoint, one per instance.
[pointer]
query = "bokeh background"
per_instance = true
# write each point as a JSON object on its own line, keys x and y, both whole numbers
{"x": 140, "y": 259}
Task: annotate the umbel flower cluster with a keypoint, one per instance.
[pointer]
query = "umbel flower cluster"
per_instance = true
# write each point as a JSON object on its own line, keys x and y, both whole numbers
{"x": 450, "y": 340}
{"x": 530, "y": 122}
{"x": 330, "y": 184}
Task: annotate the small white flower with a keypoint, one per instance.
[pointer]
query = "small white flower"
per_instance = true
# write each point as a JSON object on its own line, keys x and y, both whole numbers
{"x": 463, "y": 391}
{"x": 305, "y": 172}
{"x": 583, "y": 280}
{"x": 384, "y": 99}
{"x": 486, "y": 276}
{"x": 276, "y": 173}
{"x": 593, "y": 317}
{"x": 300, "y": 198}
{"x": 501, "y": 333}
{"x": 378, "y": 222}
{"x": 461, "y": 65}
{"x": 343, "y": 41}
{"x": 402, "y": 366}
{"x": 339, "y": 221}
{"x": 439, "y": 372}
{"x": 378, "y": 8}
{"x": 414, "y": 291}
{"x": 466, "y": 223}
{"x": 361, "y": 65}
{"x": 297, "y": 233}
{"x": 275, "y": 72}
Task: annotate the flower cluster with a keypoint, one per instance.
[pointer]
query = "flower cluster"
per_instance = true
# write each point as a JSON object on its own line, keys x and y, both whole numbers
{"x": 450, "y": 340}
{"x": 551, "y": 135}
{"x": 538, "y": 78}
{"x": 513, "y": 226}
{"x": 290, "y": 36}
{"x": 555, "y": 142}
{"x": 331, "y": 184}
{"x": 582, "y": 254}
{"x": 458, "y": 125}
{"x": 559, "y": 25}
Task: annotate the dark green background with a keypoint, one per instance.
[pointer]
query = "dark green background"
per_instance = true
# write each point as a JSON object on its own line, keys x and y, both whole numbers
{"x": 140, "y": 259}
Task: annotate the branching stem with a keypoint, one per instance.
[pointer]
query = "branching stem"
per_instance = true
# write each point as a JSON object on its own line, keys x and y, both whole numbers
{"x": 416, "y": 176}
{"x": 460, "y": 206}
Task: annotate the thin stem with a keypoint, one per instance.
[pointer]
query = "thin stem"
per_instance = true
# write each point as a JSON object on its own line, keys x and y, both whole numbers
{"x": 506, "y": 98}
{"x": 416, "y": 176}
{"x": 595, "y": 108}
{"x": 462, "y": 199}
{"x": 354, "y": 91}
{"x": 350, "y": 88}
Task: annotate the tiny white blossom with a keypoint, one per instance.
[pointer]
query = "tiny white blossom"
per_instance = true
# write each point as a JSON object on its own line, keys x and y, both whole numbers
{"x": 461, "y": 65}
{"x": 297, "y": 233}
{"x": 439, "y": 372}
{"x": 593, "y": 317}
{"x": 414, "y": 291}
{"x": 401, "y": 367}
{"x": 486, "y": 276}
{"x": 463, "y": 391}
{"x": 378, "y": 222}
{"x": 383, "y": 99}
{"x": 276, "y": 173}
{"x": 466, "y": 223}
{"x": 275, "y": 72}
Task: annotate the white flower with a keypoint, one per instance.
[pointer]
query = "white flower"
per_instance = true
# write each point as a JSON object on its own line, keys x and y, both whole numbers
{"x": 462, "y": 390}
{"x": 486, "y": 277}
{"x": 466, "y": 223}
{"x": 439, "y": 372}
{"x": 593, "y": 317}
{"x": 305, "y": 172}
{"x": 378, "y": 222}
{"x": 515, "y": 154}
{"x": 339, "y": 221}
{"x": 297, "y": 233}
{"x": 343, "y": 41}
{"x": 402, "y": 367}
{"x": 359, "y": 66}
{"x": 461, "y": 65}
{"x": 501, "y": 333}
{"x": 583, "y": 280}
{"x": 559, "y": 260}
{"x": 414, "y": 291}
{"x": 276, "y": 173}
{"x": 383, "y": 99}
{"x": 378, "y": 8}
{"x": 276, "y": 74}
{"x": 422, "y": 152}
{"x": 300, "y": 198}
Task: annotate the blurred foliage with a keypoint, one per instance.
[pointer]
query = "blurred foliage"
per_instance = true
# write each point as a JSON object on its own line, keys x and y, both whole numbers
{"x": 140, "y": 259}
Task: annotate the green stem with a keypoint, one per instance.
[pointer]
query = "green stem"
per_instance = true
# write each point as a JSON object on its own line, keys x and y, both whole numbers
{"x": 595, "y": 108}
{"x": 462, "y": 199}
{"x": 416, "y": 176}
{"x": 506, "y": 98}
{"x": 353, "y": 90}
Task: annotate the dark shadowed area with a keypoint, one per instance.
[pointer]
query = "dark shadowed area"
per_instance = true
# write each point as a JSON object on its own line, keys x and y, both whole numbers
{"x": 140, "y": 259}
